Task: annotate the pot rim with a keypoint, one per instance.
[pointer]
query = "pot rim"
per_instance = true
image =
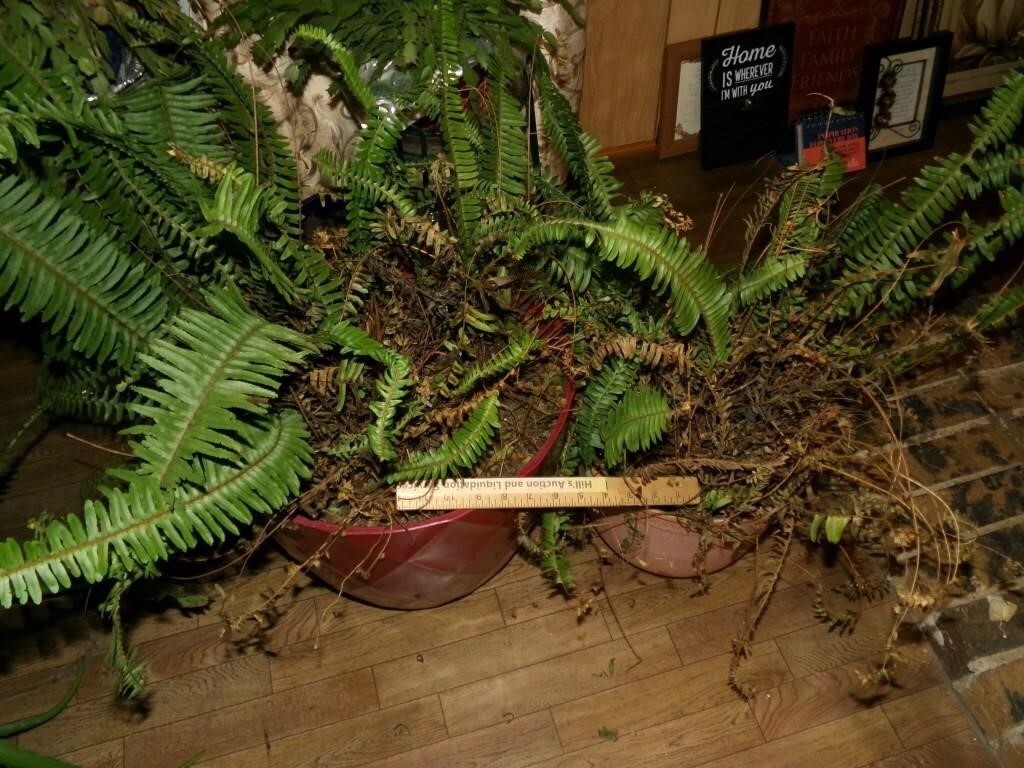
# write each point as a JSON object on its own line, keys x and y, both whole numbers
{"x": 531, "y": 466}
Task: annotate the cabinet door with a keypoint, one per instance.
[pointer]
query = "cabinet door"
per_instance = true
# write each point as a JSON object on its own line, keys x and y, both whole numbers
{"x": 622, "y": 70}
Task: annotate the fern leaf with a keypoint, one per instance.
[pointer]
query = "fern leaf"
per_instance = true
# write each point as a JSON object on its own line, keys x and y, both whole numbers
{"x": 81, "y": 282}
{"x": 455, "y": 128}
{"x": 655, "y": 254}
{"x": 392, "y": 388}
{"x": 773, "y": 275}
{"x": 238, "y": 207}
{"x": 639, "y": 421}
{"x": 999, "y": 310}
{"x": 86, "y": 395}
{"x": 518, "y": 351}
{"x": 460, "y": 452}
{"x": 215, "y": 367}
{"x": 504, "y": 162}
{"x": 877, "y": 269}
{"x": 345, "y": 62}
{"x": 143, "y": 524}
{"x": 600, "y": 397}
{"x": 592, "y": 172}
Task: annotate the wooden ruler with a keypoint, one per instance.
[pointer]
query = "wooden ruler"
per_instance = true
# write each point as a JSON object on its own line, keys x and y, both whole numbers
{"x": 547, "y": 493}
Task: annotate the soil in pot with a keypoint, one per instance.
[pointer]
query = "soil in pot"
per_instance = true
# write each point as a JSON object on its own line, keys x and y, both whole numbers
{"x": 347, "y": 528}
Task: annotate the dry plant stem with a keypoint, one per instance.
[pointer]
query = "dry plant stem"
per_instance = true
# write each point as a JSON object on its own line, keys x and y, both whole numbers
{"x": 761, "y": 594}
{"x": 97, "y": 446}
{"x": 637, "y": 658}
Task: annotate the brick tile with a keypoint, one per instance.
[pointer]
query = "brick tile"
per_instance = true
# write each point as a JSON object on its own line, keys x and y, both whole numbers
{"x": 965, "y": 632}
{"x": 965, "y": 453}
{"x": 991, "y": 498}
{"x": 996, "y": 698}
{"x": 1002, "y": 387}
{"x": 934, "y": 408}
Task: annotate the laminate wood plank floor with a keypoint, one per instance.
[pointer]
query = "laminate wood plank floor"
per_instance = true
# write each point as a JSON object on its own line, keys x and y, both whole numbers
{"x": 510, "y": 676}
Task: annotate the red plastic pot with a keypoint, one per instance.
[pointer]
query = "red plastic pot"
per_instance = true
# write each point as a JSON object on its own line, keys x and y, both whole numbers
{"x": 422, "y": 564}
{"x": 664, "y": 545}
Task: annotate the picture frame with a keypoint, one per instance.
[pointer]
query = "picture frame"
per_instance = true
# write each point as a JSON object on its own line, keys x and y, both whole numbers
{"x": 679, "y": 118}
{"x": 988, "y": 40}
{"x": 901, "y": 92}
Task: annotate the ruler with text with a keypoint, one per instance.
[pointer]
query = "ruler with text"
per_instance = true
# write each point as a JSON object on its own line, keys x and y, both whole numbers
{"x": 547, "y": 493}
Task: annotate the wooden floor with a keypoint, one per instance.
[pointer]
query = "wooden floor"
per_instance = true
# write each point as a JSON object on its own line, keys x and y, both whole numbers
{"x": 510, "y": 676}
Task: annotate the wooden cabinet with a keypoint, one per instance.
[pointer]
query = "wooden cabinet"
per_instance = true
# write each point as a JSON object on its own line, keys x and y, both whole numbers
{"x": 622, "y": 67}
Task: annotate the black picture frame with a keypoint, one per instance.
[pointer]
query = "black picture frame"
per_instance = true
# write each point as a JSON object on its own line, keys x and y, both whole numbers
{"x": 901, "y": 92}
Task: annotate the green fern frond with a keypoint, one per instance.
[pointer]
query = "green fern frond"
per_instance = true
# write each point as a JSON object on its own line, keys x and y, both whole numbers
{"x": 460, "y": 452}
{"x": 175, "y": 111}
{"x": 86, "y": 395}
{"x": 216, "y": 366}
{"x": 355, "y": 287}
{"x": 392, "y": 387}
{"x": 773, "y": 275}
{"x": 1001, "y": 114}
{"x": 122, "y": 657}
{"x": 572, "y": 266}
{"x": 455, "y": 126}
{"x": 239, "y": 207}
{"x": 600, "y": 397}
{"x": 256, "y": 139}
{"x": 354, "y": 339}
{"x": 504, "y": 163}
{"x": 579, "y": 150}
{"x": 638, "y": 422}
{"x": 518, "y": 351}
{"x": 143, "y": 524}
{"x": 82, "y": 282}
{"x": 349, "y": 372}
{"x": 374, "y": 190}
{"x": 804, "y": 207}
{"x": 15, "y": 128}
{"x": 999, "y": 310}
{"x": 345, "y": 62}
{"x": 876, "y": 269}
{"x": 996, "y": 170}
{"x": 655, "y": 254}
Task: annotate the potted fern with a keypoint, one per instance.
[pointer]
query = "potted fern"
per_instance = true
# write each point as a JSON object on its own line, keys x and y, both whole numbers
{"x": 154, "y": 232}
{"x": 769, "y": 406}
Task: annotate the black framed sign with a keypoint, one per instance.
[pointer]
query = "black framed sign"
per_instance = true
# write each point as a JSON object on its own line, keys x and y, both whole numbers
{"x": 744, "y": 97}
{"x": 901, "y": 92}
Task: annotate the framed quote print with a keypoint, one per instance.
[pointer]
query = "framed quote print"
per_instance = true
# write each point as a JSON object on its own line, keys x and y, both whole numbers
{"x": 679, "y": 123}
{"x": 901, "y": 93}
